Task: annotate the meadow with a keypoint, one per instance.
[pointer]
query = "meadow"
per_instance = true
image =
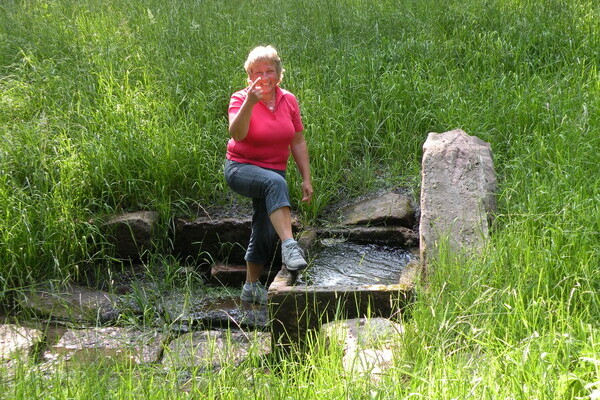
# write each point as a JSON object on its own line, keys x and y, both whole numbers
{"x": 110, "y": 106}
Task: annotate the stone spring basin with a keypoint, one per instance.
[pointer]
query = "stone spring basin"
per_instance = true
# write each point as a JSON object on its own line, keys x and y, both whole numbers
{"x": 301, "y": 303}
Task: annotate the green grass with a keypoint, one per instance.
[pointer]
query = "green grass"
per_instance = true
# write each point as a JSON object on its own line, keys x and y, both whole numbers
{"x": 121, "y": 105}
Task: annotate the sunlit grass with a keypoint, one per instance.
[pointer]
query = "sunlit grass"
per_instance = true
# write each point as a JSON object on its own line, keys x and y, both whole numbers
{"x": 114, "y": 106}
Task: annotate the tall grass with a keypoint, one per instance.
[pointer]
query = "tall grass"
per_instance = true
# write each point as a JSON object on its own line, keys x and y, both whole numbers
{"x": 112, "y": 105}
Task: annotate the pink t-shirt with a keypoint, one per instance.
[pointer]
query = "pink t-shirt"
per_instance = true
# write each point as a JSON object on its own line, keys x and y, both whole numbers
{"x": 270, "y": 133}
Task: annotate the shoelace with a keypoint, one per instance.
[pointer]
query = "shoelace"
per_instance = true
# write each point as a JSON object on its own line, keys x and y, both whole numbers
{"x": 296, "y": 251}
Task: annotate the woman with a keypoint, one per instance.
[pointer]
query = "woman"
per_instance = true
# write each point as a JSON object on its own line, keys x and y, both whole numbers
{"x": 265, "y": 126}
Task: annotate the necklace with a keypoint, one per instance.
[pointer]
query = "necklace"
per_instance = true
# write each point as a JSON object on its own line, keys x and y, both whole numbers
{"x": 271, "y": 103}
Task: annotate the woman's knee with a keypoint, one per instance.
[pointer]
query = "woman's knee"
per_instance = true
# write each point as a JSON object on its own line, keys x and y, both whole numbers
{"x": 277, "y": 184}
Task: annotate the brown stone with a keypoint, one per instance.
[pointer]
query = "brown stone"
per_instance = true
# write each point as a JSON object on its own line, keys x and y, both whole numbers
{"x": 208, "y": 241}
{"x": 235, "y": 275}
{"x": 390, "y": 209}
{"x": 228, "y": 275}
{"x": 131, "y": 234}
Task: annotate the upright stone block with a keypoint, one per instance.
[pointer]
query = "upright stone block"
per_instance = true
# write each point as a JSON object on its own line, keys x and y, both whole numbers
{"x": 457, "y": 193}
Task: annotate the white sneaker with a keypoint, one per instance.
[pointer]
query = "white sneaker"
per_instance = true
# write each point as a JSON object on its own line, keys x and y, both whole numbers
{"x": 254, "y": 292}
{"x": 293, "y": 256}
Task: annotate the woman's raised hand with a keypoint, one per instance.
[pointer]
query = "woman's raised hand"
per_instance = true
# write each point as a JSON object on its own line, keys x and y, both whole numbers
{"x": 255, "y": 92}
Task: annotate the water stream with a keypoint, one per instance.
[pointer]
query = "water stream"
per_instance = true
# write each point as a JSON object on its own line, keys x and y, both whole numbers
{"x": 341, "y": 263}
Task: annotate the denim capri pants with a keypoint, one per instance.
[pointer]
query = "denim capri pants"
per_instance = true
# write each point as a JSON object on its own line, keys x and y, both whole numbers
{"x": 269, "y": 192}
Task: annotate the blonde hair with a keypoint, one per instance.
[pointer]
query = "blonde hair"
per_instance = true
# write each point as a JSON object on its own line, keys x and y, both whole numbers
{"x": 261, "y": 54}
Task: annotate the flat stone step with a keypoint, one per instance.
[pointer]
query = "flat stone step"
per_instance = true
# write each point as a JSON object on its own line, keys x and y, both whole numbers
{"x": 92, "y": 344}
{"x": 389, "y": 209}
{"x": 386, "y": 235}
{"x": 71, "y": 303}
{"x": 228, "y": 312}
{"x": 18, "y": 342}
{"x": 214, "y": 348}
{"x": 235, "y": 275}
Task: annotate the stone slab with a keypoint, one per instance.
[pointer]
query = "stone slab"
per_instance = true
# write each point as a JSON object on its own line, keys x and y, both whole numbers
{"x": 385, "y": 235}
{"x": 228, "y": 275}
{"x": 18, "y": 342}
{"x": 206, "y": 312}
{"x": 92, "y": 344}
{"x": 208, "y": 240}
{"x": 214, "y": 348}
{"x": 368, "y": 344}
{"x": 295, "y": 311}
{"x": 389, "y": 209}
{"x": 235, "y": 275}
{"x": 70, "y": 303}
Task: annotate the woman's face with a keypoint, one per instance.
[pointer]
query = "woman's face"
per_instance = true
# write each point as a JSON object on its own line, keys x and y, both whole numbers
{"x": 267, "y": 71}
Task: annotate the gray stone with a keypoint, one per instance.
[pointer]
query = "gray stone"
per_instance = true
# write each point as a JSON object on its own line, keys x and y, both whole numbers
{"x": 212, "y": 349}
{"x": 363, "y": 332}
{"x": 71, "y": 303}
{"x": 390, "y": 209}
{"x": 368, "y": 345}
{"x": 18, "y": 342}
{"x": 89, "y": 345}
{"x": 457, "y": 194}
{"x": 131, "y": 234}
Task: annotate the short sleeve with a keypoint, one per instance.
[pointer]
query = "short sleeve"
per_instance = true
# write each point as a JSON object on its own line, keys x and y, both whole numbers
{"x": 236, "y": 101}
{"x": 295, "y": 114}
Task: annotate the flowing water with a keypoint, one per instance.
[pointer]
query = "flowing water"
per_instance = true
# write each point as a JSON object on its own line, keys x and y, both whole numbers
{"x": 341, "y": 263}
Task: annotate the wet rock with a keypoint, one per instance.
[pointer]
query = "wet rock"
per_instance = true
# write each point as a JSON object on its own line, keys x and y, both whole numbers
{"x": 457, "y": 193}
{"x": 390, "y": 209}
{"x": 384, "y": 235}
{"x": 204, "y": 311}
{"x": 131, "y": 234}
{"x": 410, "y": 273}
{"x": 18, "y": 342}
{"x": 233, "y": 313}
{"x": 71, "y": 303}
{"x": 368, "y": 345}
{"x": 89, "y": 345}
{"x": 212, "y": 349}
{"x": 338, "y": 262}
